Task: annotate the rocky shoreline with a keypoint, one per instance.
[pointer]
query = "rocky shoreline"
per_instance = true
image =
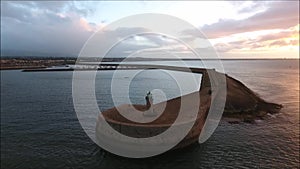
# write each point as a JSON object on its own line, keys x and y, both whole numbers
{"x": 245, "y": 105}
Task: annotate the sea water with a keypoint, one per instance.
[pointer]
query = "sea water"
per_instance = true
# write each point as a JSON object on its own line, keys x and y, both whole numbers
{"x": 40, "y": 129}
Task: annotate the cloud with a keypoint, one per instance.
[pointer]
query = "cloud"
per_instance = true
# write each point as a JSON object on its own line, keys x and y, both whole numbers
{"x": 31, "y": 12}
{"x": 64, "y": 27}
{"x": 279, "y": 43}
{"x": 249, "y": 6}
{"x": 51, "y": 27}
{"x": 61, "y": 27}
{"x": 292, "y": 32}
{"x": 255, "y": 41}
{"x": 272, "y": 27}
{"x": 130, "y": 40}
{"x": 279, "y": 15}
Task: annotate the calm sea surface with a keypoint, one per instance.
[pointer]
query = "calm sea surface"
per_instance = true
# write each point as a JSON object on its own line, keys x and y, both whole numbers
{"x": 40, "y": 129}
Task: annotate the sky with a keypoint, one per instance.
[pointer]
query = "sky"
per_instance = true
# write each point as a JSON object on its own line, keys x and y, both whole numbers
{"x": 236, "y": 29}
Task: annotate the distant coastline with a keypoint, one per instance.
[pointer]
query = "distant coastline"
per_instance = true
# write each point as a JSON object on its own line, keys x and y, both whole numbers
{"x": 31, "y": 62}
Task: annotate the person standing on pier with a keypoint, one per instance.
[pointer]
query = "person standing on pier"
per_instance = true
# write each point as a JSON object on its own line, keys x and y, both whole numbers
{"x": 149, "y": 100}
{"x": 149, "y": 105}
